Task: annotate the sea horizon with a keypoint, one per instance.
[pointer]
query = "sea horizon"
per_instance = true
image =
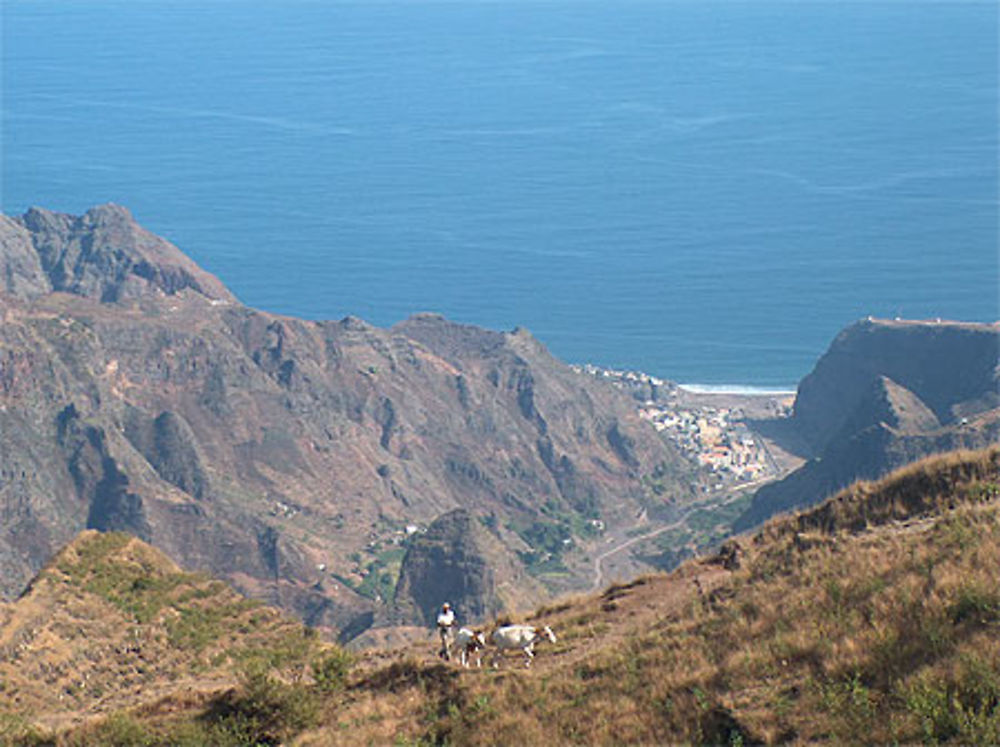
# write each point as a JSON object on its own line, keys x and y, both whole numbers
{"x": 706, "y": 193}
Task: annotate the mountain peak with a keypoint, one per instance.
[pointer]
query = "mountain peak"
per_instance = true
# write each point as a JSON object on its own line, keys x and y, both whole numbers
{"x": 108, "y": 212}
{"x": 885, "y": 393}
{"x": 91, "y": 551}
{"x": 103, "y": 254}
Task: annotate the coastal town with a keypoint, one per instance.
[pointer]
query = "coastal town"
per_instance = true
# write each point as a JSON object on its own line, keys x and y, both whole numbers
{"x": 715, "y": 438}
{"x": 711, "y": 428}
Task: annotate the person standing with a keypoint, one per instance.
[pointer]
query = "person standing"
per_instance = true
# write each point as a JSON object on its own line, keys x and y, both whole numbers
{"x": 445, "y": 625}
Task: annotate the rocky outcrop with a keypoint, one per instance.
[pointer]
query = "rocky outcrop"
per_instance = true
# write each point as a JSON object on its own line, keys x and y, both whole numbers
{"x": 103, "y": 254}
{"x": 169, "y": 445}
{"x": 950, "y": 367}
{"x": 284, "y": 455}
{"x": 451, "y": 562}
{"x": 884, "y": 395}
{"x": 21, "y": 273}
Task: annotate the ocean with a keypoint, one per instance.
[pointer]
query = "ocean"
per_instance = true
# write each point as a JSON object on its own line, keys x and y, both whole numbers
{"x": 705, "y": 191}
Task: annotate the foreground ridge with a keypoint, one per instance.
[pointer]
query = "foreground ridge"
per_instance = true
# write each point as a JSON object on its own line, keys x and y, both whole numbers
{"x": 872, "y": 618}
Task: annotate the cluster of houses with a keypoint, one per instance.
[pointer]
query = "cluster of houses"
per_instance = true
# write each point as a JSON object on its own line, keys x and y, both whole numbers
{"x": 640, "y": 385}
{"x": 713, "y": 437}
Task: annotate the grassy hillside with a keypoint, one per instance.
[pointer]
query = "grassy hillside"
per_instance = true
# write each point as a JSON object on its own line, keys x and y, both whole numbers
{"x": 833, "y": 628}
{"x": 112, "y": 624}
{"x": 873, "y": 618}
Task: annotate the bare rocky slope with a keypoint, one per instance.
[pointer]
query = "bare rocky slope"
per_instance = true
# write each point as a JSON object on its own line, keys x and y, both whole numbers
{"x": 885, "y": 394}
{"x": 298, "y": 460}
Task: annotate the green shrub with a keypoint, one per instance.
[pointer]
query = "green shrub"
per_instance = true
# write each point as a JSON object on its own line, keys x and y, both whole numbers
{"x": 854, "y": 706}
{"x": 930, "y": 702}
{"x": 964, "y": 707}
{"x": 197, "y": 626}
{"x": 264, "y": 711}
{"x": 15, "y": 730}
{"x": 975, "y": 604}
{"x": 331, "y": 669}
{"x": 117, "y": 730}
{"x": 289, "y": 653}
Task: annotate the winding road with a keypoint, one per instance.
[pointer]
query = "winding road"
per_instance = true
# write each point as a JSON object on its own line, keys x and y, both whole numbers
{"x": 727, "y": 496}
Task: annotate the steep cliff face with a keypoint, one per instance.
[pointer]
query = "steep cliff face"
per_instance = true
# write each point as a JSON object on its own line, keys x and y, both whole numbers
{"x": 454, "y": 562}
{"x": 886, "y": 394}
{"x": 284, "y": 455}
{"x": 21, "y": 272}
{"x": 950, "y": 367}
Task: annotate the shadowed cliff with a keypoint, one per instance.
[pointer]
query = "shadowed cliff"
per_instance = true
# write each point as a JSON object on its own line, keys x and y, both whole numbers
{"x": 887, "y": 393}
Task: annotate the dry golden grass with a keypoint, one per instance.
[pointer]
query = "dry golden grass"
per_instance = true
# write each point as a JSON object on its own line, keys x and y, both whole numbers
{"x": 111, "y": 623}
{"x": 930, "y": 485}
{"x": 874, "y": 618}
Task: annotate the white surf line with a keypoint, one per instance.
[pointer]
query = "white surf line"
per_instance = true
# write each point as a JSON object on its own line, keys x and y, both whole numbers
{"x": 738, "y": 390}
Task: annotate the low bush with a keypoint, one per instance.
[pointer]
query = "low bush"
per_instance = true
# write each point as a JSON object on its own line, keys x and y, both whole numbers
{"x": 975, "y": 604}
{"x": 331, "y": 669}
{"x": 262, "y": 711}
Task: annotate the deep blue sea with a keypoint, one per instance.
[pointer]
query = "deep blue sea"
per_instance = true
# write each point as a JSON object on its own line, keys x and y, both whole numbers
{"x": 706, "y": 191}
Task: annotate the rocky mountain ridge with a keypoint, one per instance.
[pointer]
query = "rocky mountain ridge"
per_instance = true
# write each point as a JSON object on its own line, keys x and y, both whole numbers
{"x": 950, "y": 367}
{"x": 294, "y": 459}
{"x": 103, "y": 254}
{"x": 887, "y": 393}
